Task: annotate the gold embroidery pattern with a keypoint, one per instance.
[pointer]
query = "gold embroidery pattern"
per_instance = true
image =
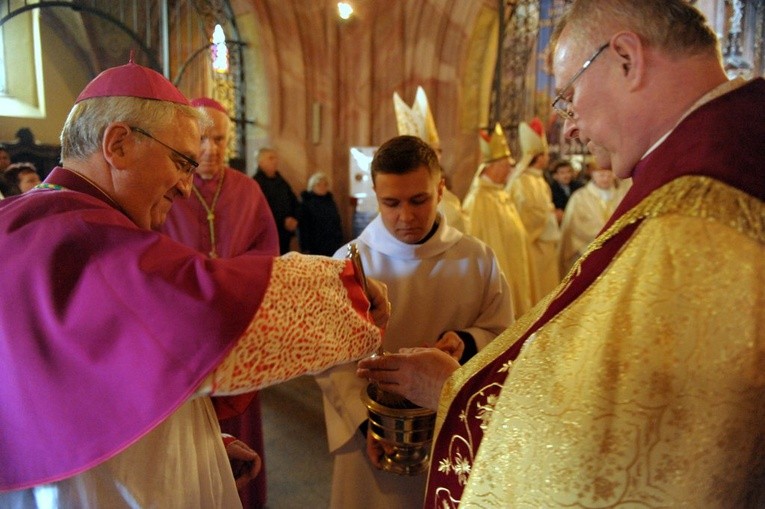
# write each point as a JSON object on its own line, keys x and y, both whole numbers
{"x": 304, "y": 325}
{"x": 692, "y": 196}
{"x": 480, "y": 406}
{"x": 650, "y": 390}
{"x": 456, "y": 462}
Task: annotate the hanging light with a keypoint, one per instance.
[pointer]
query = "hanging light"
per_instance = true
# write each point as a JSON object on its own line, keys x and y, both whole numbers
{"x": 219, "y": 51}
{"x": 344, "y": 10}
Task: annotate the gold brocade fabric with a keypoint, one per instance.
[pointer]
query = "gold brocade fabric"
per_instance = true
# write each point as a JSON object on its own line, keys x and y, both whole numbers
{"x": 306, "y": 323}
{"x": 649, "y": 389}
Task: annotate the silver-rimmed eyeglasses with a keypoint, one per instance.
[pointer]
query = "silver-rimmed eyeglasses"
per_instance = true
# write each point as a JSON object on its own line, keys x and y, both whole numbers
{"x": 562, "y": 102}
{"x": 186, "y": 165}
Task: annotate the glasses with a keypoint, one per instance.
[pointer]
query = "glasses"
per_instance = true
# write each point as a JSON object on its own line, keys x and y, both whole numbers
{"x": 563, "y": 106}
{"x": 186, "y": 165}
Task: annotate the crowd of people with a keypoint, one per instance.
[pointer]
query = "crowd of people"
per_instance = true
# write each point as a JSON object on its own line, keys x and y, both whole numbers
{"x": 571, "y": 333}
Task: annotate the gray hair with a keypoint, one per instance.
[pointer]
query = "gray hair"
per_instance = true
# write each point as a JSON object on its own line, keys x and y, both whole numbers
{"x": 84, "y": 128}
{"x": 674, "y": 26}
{"x": 265, "y": 150}
{"x": 316, "y": 178}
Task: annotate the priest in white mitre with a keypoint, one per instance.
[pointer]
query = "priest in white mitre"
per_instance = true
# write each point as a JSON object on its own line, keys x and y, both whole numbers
{"x": 532, "y": 197}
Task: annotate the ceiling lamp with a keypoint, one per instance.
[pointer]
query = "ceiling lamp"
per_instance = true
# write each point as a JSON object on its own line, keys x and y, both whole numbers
{"x": 344, "y": 10}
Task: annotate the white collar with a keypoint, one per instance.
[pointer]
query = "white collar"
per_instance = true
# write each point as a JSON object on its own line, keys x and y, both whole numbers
{"x": 378, "y": 238}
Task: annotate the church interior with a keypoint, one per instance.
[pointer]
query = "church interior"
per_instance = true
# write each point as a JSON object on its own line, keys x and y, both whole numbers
{"x": 299, "y": 78}
{"x": 315, "y": 81}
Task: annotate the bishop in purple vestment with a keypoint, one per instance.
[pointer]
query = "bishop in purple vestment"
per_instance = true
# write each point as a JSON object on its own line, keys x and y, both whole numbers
{"x": 113, "y": 336}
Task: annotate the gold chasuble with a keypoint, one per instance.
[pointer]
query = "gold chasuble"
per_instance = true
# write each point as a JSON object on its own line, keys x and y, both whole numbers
{"x": 640, "y": 381}
{"x": 591, "y": 399}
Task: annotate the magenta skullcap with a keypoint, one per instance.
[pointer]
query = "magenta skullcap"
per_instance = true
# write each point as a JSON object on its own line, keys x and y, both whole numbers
{"x": 132, "y": 80}
{"x": 206, "y": 102}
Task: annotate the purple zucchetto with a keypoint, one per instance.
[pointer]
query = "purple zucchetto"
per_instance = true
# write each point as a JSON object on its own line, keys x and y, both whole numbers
{"x": 206, "y": 102}
{"x": 132, "y": 80}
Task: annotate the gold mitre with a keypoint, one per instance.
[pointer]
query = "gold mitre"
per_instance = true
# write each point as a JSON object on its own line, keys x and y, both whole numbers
{"x": 532, "y": 138}
{"x": 417, "y": 120}
{"x": 493, "y": 145}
